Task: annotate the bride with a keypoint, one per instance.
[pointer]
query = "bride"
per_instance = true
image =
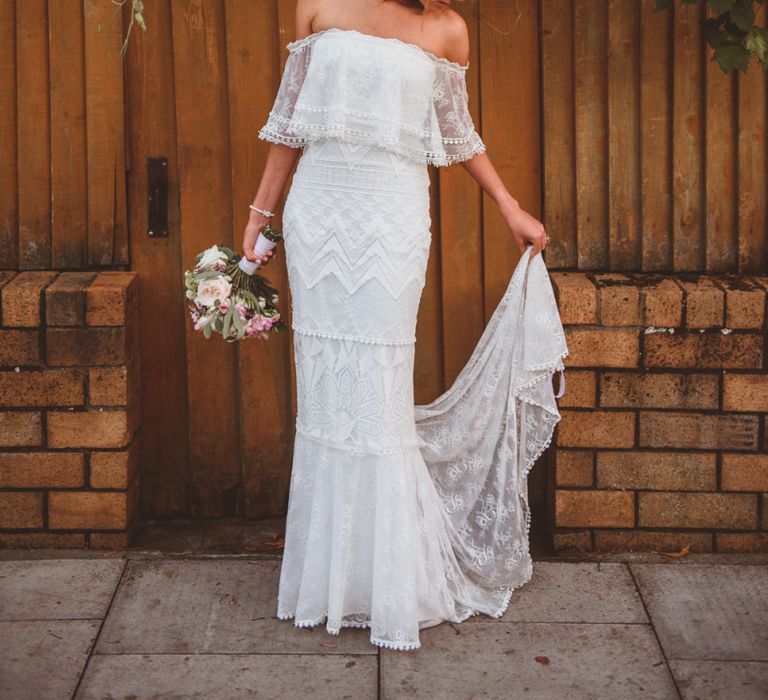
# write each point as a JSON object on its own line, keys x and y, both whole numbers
{"x": 399, "y": 516}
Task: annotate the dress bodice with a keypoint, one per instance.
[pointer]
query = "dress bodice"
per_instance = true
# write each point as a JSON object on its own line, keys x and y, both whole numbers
{"x": 377, "y": 90}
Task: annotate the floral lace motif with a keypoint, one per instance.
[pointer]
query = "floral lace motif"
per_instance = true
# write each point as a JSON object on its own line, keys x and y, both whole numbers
{"x": 373, "y": 90}
{"x": 401, "y": 516}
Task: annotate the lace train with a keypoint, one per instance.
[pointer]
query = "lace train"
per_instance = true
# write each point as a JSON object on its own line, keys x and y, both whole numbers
{"x": 402, "y": 516}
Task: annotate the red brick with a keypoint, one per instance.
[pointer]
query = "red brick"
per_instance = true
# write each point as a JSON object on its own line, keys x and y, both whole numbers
{"x": 96, "y": 428}
{"x": 573, "y": 541}
{"x": 41, "y": 469}
{"x": 765, "y": 511}
{"x": 651, "y": 540}
{"x": 105, "y": 510}
{"x": 21, "y": 298}
{"x": 659, "y": 390}
{"x": 42, "y": 388}
{"x": 663, "y": 304}
{"x": 19, "y": 348}
{"x": 745, "y": 392}
{"x": 704, "y": 350}
{"x": 594, "y": 508}
{"x": 576, "y": 297}
{"x": 619, "y": 300}
{"x": 579, "y": 389}
{"x": 744, "y": 304}
{"x": 20, "y": 429}
{"x": 574, "y": 468}
{"x": 65, "y": 299}
{"x": 21, "y": 509}
{"x": 698, "y": 510}
{"x": 745, "y": 472}
{"x": 115, "y": 386}
{"x": 596, "y": 429}
{"x": 88, "y": 346}
{"x": 112, "y": 297}
{"x": 698, "y": 431}
{"x": 114, "y": 469}
{"x": 690, "y": 471}
{"x": 704, "y": 302}
{"x": 742, "y": 541}
{"x": 604, "y": 347}
{"x": 47, "y": 540}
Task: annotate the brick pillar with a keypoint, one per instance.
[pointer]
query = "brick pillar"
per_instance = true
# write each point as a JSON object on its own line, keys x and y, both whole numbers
{"x": 663, "y": 439}
{"x": 69, "y": 408}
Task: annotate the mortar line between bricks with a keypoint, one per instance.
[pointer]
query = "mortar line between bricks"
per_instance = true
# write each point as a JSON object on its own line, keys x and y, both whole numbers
{"x": 99, "y": 631}
{"x": 653, "y": 629}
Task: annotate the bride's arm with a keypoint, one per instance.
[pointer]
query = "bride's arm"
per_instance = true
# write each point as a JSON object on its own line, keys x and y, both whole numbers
{"x": 524, "y": 227}
{"x": 280, "y": 162}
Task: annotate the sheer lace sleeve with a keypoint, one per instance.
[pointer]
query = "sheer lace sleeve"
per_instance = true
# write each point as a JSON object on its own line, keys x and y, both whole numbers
{"x": 278, "y": 126}
{"x": 451, "y": 104}
{"x": 367, "y": 89}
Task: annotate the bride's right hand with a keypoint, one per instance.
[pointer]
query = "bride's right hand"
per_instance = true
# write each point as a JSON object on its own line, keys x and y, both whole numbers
{"x": 252, "y": 230}
{"x": 525, "y": 228}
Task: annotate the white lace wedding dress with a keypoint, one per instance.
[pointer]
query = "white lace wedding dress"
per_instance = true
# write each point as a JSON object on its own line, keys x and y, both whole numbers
{"x": 400, "y": 516}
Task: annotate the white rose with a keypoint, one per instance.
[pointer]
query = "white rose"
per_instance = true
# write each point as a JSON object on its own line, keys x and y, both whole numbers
{"x": 210, "y": 256}
{"x": 211, "y": 289}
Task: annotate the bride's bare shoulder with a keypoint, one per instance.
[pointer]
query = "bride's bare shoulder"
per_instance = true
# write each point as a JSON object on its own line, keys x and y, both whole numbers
{"x": 454, "y": 35}
{"x": 306, "y": 11}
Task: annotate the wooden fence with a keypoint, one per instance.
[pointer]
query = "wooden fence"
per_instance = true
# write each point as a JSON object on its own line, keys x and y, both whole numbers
{"x": 604, "y": 118}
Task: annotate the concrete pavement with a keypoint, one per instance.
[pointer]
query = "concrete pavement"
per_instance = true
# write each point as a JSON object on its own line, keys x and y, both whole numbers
{"x": 143, "y": 624}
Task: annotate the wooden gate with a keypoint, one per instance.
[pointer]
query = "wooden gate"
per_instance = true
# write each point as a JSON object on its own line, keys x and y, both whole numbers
{"x": 603, "y": 117}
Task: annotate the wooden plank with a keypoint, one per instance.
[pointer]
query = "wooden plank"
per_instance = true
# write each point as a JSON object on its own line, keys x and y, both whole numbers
{"x": 107, "y": 225}
{"x": 590, "y": 97}
{"x": 34, "y": 145}
{"x": 656, "y": 135}
{"x": 511, "y": 127}
{"x": 753, "y": 166}
{"x": 688, "y": 139}
{"x": 286, "y": 32}
{"x": 461, "y": 234}
{"x": 624, "y": 233}
{"x": 69, "y": 179}
{"x": 202, "y": 124}
{"x": 9, "y": 194}
{"x": 266, "y": 425}
{"x": 164, "y": 410}
{"x": 559, "y": 132}
{"x": 721, "y": 154}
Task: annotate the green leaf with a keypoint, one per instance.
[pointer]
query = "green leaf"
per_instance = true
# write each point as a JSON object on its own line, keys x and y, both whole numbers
{"x": 732, "y": 56}
{"x": 238, "y": 325}
{"x": 207, "y": 330}
{"x": 743, "y": 14}
{"x": 757, "y": 43}
{"x": 227, "y": 322}
{"x": 720, "y": 6}
{"x": 662, "y": 5}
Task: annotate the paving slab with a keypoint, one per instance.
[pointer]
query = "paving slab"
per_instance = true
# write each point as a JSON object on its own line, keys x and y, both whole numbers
{"x": 721, "y": 680}
{"x": 570, "y": 592}
{"x": 211, "y": 606}
{"x": 498, "y": 660}
{"x": 707, "y": 612}
{"x": 57, "y": 589}
{"x": 43, "y": 659}
{"x": 230, "y": 676}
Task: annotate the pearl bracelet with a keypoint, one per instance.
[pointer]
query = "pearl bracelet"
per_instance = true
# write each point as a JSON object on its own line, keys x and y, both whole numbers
{"x": 265, "y": 212}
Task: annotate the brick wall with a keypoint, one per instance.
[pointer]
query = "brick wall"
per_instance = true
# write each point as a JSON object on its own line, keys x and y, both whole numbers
{"x": 663, "y": 440}
{"x": 69, "y": 408}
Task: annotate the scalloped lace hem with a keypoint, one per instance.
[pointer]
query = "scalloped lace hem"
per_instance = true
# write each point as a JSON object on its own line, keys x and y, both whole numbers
{"x": 427, "y": 157}
{"x": 406, "y": 645}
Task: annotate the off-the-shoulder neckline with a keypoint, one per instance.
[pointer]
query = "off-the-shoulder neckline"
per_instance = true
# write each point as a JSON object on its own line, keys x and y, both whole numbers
{"x": 298, "y": 43}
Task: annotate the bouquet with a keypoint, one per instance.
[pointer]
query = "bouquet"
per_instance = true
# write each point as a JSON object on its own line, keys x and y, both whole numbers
{"x": 228, "y": 297}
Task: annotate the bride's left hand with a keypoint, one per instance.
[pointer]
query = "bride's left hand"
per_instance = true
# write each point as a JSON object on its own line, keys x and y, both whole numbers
{"x": 525, "y": 228}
